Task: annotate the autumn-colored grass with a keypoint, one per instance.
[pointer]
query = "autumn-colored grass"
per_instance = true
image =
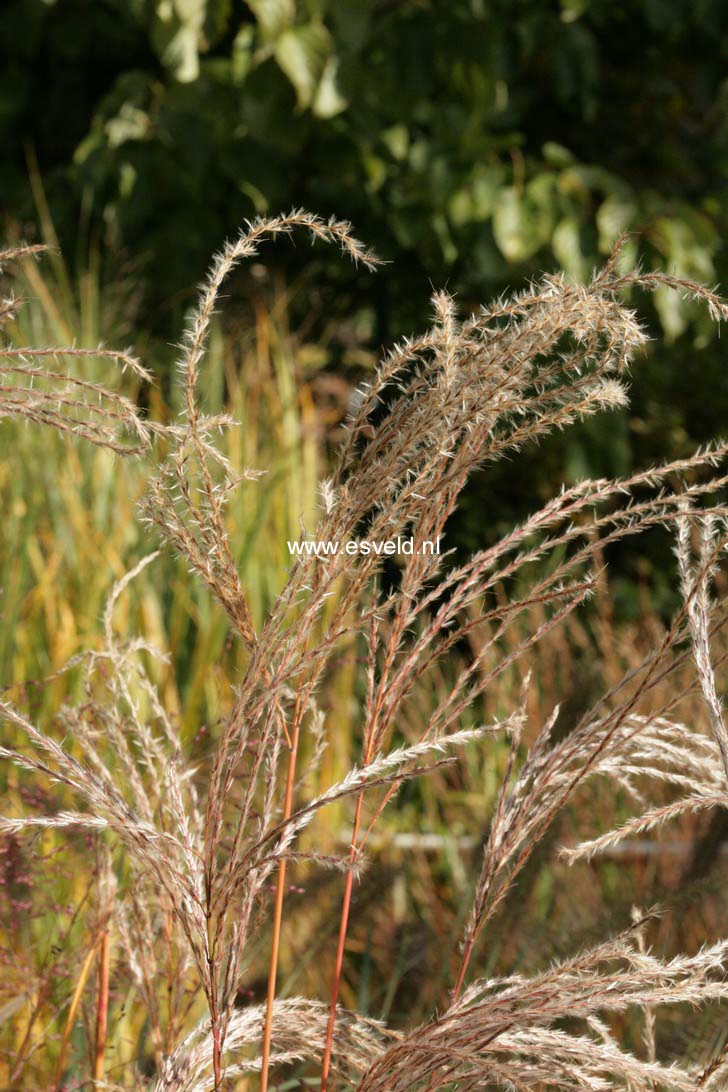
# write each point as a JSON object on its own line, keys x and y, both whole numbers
{"x": 493, "y": 703}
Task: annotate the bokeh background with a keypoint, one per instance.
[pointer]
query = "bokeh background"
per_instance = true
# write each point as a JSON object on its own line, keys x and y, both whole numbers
{"x": 473, "y": 144}
{"x": 470, "y": 143}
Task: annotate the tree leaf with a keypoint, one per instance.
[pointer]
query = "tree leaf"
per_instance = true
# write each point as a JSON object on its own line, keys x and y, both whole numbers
{"x": 615, "y": 215}
{"x": 302, "y": 53}
{"x": 522, "y": 219}
{"x": 274, "y": 16}
{"x": 176, "y": 35}
{"x": 509, "y": 225}
{"x": 328, "y": 100}
{"x": 566, "y": 245}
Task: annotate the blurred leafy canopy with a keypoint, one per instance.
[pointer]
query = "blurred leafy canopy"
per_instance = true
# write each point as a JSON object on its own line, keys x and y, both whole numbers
{"x": 470, "y": 140}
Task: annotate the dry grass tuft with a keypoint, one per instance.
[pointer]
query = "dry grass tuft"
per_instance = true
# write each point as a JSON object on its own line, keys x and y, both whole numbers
{"x": 201, "y": 846}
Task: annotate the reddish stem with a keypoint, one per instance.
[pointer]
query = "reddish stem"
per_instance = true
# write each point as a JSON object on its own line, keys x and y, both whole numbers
{"x": 343, "y": 925}
{"x": 278, "y": 914}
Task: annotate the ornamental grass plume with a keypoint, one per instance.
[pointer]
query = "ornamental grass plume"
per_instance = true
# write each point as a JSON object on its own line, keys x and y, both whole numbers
{"x": 202, "y": 843}
{"x": 42, "y": 384}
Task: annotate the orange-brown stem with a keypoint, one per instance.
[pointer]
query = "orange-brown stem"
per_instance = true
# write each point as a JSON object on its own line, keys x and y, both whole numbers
{"x": 463, "y": 969}
{"x": 343, "y": 926}
{"x": 216, "y": 1056}
{"x": 278, "y": 914}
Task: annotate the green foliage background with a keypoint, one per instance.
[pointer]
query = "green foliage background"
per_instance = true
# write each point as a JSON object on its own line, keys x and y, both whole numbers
{"x": 470, "y": 142}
